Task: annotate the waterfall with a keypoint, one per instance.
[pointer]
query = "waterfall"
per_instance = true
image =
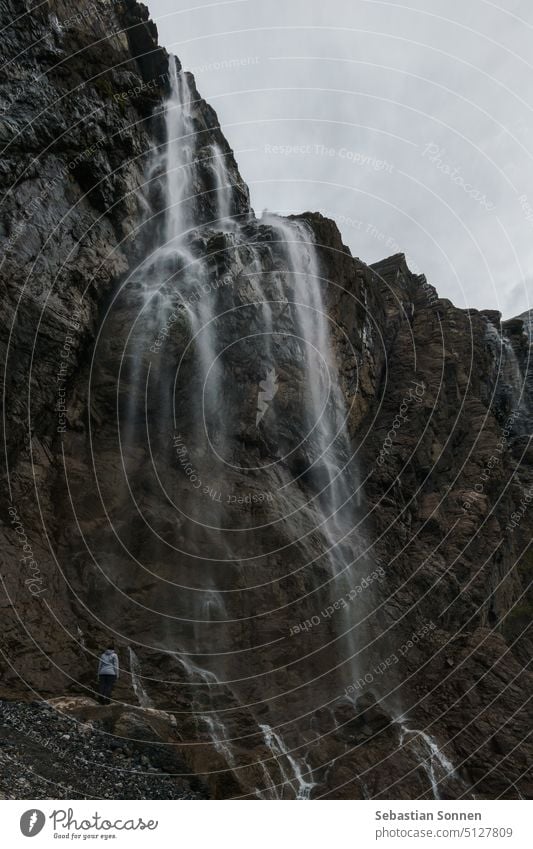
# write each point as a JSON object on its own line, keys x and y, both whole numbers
{"x": 324, "y": 405}
{"x": 334, "y": 478}
{"x": 301, "y": 781}
{"x": 512, "y": 390}
{"x": 135, "y": 670}
{"x": 153, "y": 285}
{"x": 514, "y": 377}
{"x": 434, "y": 762}
{"x": 179, "y": 159}
{"x": 200, "y": 238}
{"x": 219, "y": 733}
{"x": 223, "y": 188}
{"x": 181, "y": 164}
{"x": 209, "y": 684}
{"x": 175, "y": 272}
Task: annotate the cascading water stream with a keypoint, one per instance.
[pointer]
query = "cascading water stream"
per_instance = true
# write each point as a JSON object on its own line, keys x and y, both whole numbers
{"x": 163, "y": 284}
{"x": 138, "y": 688}
{"x": 510, "y": 378}
{"x": 179, "y": 161}
{"x": 176, "y": 269}
{"x": 325, "y": 409}
{"x": 328, "y": 442}
{"x": 223, "y": 188}
{"x": 180, "y": 164}
{"x": 151, "y": 284}
{"x": 438, "y": 768}
{"x": 301, "y": 779}
{"x": 209, "y": 684}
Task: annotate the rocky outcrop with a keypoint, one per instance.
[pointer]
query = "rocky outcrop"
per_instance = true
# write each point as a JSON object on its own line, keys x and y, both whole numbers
{"x": 148, "y": 495}
{"x": 73, "y": 748}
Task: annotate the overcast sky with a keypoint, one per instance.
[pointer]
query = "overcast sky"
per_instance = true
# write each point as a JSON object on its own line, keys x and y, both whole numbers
{"x": 413, "y": 123}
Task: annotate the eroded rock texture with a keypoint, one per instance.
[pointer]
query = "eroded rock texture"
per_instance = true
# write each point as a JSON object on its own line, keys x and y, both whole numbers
{"x": 381, "y": 653}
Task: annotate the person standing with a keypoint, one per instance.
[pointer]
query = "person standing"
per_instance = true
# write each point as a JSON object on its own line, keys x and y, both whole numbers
{"x": 107, "y": 674}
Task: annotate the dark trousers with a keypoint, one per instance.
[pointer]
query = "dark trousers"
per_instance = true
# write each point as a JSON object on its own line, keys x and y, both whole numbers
{"x": 106, "y": 683}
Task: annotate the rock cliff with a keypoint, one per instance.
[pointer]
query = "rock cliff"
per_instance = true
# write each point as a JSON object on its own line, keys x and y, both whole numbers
{"x": 294, "y": 487}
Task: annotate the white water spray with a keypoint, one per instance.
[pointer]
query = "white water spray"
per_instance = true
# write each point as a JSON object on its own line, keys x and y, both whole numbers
{"x": 136, "y": 681}
{"x": 178, "y": 268}
{"x": 509, "y": 372}
{"x": 223, "y": 188}
{"x": 435, "y": 764}
{"x": 300, "y": 776}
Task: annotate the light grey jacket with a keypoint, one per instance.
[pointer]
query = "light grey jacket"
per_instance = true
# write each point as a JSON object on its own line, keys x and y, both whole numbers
{"x": 108, "y": 663}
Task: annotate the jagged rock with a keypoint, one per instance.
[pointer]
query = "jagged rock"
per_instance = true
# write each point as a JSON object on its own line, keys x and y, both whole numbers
{"x": 295, "y": 714}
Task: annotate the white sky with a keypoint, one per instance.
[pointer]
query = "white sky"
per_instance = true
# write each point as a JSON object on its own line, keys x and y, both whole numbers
{"x": 377, "y": 83}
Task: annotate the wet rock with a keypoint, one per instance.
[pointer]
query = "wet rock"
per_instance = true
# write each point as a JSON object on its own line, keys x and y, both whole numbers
{"x": 440, "y": 499}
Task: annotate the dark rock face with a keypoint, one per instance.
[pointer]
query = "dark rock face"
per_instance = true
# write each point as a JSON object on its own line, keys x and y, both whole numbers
{"x": 75, "y": 142}
{"x": 149, "y": 499}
